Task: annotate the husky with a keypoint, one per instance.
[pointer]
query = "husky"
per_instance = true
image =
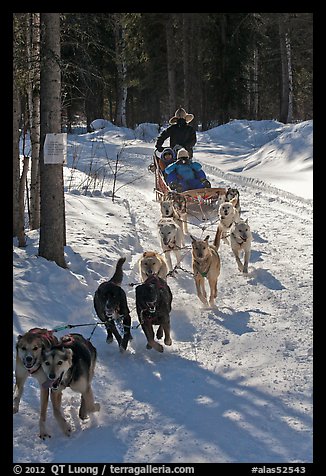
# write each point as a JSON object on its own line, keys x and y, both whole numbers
{"x": 168, "y": 211}
{"x": 205, "y": 264}
{"x": 234, "y": 193}
{"x": 153, "y": 304}
{"x": 71, "y": 363}
{"x": 241, "y": 238}
{"x": 110, "y": 304}
{"x": 29, "y": 349}
{"x": 150, "y": 263}
{"x": 228, "y": 214}
{"x": 171, "y": 240}
{"x": 180, "y": 206}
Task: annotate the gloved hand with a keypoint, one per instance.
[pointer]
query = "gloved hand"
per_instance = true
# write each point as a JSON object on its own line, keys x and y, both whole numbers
{"x": 206, "y": 183}
{"x": 176, "y": 186}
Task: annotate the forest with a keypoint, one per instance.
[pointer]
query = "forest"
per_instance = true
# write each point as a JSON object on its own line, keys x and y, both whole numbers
{"x": 131, "y": 68}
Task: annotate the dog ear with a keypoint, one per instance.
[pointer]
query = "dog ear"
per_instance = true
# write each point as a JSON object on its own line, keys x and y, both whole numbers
{"x": 233, "y": 201}
{"x": 68, "y": 354}
{"x": 207, "y": 238}
{"x": 193, "y": 239}
{"x": 247, "y": 221}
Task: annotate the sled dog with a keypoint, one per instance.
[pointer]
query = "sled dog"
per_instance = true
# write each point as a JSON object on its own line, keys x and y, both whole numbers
{"x": 171, "y": 240}
{"x": 150, "y": 263}
{"x": 110, "y": 304}
{"x": 70, "y": 363}
{"x": 180, "y": 207}
{"x": 168, "y": 211}
{"x": 153, "y": 303}
{"x": 29, "y": 349}
{"x": 228, "y": 214}
{"x": 205, "y": 264}
{"x": 233, "y": 193}
{"x": 241, "y": 238}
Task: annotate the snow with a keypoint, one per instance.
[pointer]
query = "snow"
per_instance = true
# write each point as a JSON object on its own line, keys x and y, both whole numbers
{"x": 236, "y": 384}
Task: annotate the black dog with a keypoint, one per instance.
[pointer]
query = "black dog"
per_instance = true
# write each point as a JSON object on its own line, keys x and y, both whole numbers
{"x": 110, "y": 303}
{"x": 153, "y": 303}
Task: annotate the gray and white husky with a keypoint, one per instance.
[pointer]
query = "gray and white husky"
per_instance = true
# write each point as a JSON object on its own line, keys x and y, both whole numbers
{"x": 171, "y": 240}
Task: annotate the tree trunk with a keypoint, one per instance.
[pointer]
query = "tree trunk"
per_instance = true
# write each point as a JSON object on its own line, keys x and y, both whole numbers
{"x": 52, "y": 229}
{"x": 122, "y": 91}
{"x": 33, "y": 92}
{"x": 16, "y": 160}
{"x": 185, "y": 54}
{"x": 286, "y": 113}
{"x": 171, "y": 64}
{"x": 21, "y": 201}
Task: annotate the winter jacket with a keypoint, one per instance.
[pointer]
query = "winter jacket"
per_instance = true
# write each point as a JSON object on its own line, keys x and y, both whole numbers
{"x": 189, "y": 176}
{"x": 180, "y": 133}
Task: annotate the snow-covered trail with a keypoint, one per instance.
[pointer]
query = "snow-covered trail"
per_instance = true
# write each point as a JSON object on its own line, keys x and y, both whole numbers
{"x": 236, "y": 385}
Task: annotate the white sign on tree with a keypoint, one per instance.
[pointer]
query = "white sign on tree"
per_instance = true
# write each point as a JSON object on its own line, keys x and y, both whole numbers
{"x": 55, "y": 148}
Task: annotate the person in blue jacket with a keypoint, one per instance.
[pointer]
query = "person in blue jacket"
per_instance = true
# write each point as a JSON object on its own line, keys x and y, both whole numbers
{"x": 183, "y": 174}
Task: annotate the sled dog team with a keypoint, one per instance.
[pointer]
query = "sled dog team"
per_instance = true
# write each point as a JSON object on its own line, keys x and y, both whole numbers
{"x": 70, "y": 361}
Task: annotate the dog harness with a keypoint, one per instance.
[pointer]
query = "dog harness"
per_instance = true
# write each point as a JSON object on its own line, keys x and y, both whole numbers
{"x": 238, "y": 237}
{"x": 205, "y": 272}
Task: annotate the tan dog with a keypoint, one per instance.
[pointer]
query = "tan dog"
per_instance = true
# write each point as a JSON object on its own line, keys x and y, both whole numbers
{"x": 152, "y": 263}
{"x": 241, "y": 238}
{"x": 228, "y": 214}
{"x": 29, "y": 350}
{"x": 205, "y": 264}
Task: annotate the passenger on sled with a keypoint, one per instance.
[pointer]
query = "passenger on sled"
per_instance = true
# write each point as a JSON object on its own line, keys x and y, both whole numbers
{"x": 168, "y": 156}
{"x": 183, "y": 174}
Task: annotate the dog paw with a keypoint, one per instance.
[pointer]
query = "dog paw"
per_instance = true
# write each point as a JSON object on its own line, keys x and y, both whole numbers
{"x": 148, "y": 346}
{"x": 158, "y": 347}
{"x": 43, "y": 435}
{"x": 83, "y": 415}
{"x": 168, "y": 341}
{"x": 15, "y": 409}
{"x": 97, "y": 407}
{"x": 109, "y": 339}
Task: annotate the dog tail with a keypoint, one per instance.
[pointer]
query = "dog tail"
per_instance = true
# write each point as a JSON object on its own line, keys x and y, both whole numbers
{"x": 118, "y": 275}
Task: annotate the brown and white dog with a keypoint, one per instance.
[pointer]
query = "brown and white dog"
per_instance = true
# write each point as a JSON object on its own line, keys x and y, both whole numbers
{"x": 228, "y": 214}
{"x": 180, "y": 207}
{"x": 29, "y": 348}
{"x": 233, "y": 193}
{"x": 206, "y": 264}
{"x": 71, "y": 363}
{"x": 151, "y": 263}
{"x": 241, "y": 238}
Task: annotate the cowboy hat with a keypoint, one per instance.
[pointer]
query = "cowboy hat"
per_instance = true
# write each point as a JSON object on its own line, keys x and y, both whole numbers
{"x": 181, "y": 114}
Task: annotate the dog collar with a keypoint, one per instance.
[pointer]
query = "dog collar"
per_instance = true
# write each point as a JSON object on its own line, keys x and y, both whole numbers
{"x": 31, "y": 372}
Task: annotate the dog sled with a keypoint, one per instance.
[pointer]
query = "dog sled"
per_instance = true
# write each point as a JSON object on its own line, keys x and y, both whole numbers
{"x": 198, "y": 197}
